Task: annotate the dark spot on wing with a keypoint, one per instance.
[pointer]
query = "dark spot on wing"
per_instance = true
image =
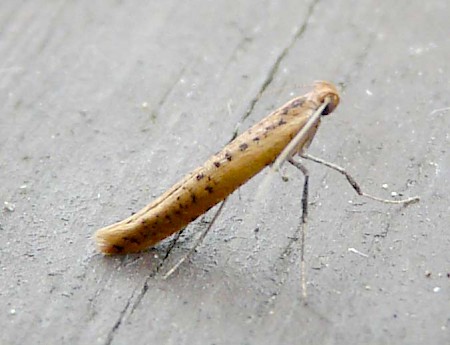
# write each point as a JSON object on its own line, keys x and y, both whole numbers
{"x": 243, "y": 147}
{"x": 298, "y": 103}
{"x": 131, "y": 239}
{"x": 118, "y": 248}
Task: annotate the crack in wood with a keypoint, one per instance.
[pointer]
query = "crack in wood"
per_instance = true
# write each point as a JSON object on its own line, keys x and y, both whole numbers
{"x": 275, "y": 67}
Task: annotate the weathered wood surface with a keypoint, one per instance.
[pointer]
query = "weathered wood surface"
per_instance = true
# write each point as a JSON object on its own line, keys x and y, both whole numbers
{"x": 105, "y": 105}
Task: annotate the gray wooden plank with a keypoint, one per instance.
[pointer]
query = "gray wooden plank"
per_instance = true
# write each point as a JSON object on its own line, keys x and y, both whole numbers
{"x": 104, "y": 106}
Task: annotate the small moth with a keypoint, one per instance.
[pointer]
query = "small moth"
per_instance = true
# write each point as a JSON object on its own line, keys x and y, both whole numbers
{"x": 220, "y": 175}
{"x": 278, "y": 137}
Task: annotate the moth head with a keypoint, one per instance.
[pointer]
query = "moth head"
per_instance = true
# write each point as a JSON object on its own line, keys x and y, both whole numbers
{"x": 325, "y": 90}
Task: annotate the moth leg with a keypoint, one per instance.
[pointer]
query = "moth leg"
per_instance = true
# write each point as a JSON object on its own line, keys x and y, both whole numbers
{"x": 356, "y": 185}
{"x": 197, "y": 243}
{"x": 303, "y": 223}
